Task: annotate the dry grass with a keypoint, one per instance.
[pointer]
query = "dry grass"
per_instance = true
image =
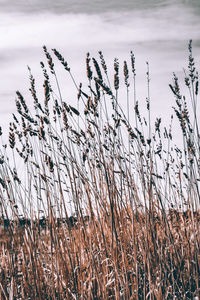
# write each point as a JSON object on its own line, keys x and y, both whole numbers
{"x": 149, "y": 259}
{"x": 133, "y": 194}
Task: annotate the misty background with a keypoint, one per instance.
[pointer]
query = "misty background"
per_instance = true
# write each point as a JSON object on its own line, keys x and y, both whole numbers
{"x": 156, "y": 31}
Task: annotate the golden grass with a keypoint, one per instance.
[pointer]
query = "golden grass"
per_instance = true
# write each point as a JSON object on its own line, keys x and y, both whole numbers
{"x": 107, "y": 206}
{"x": 150, "y": 259}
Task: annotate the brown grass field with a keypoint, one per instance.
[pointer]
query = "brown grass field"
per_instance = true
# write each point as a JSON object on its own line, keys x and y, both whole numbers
{"x": 97, "y": 201}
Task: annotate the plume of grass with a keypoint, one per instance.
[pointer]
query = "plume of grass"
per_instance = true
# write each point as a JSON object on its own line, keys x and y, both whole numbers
{"x": 107, "y": 206}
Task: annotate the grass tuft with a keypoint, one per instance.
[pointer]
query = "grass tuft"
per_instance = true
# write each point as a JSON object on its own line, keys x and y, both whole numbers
{"x": 107, "y": 205}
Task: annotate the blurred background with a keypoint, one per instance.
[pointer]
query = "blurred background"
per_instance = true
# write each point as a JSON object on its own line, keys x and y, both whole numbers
{"x": 156, "y": 31}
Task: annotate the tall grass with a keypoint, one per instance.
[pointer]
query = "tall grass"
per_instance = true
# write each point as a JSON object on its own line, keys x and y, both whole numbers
{"x": 107, "y": 206}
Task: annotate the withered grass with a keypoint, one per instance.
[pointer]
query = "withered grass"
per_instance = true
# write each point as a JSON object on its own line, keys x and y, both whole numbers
{"x": 107, "y": 205}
